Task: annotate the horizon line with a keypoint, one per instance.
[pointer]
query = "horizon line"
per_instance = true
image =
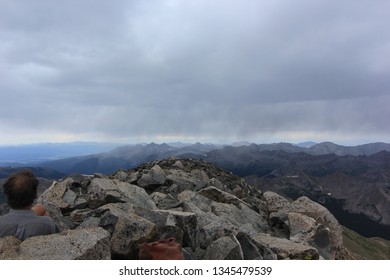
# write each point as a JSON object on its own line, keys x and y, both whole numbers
{"x": 243, "y": 142}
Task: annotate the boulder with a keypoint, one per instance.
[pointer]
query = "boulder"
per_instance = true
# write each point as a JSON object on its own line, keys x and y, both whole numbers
{"x": 241, "y": 216}
{"x": 63, "y": 221}
{"x": 61, "y": 198}
{"x": 253, "y": 250}
{"x": 286, "y": 249}
{"x": 218, "y": 195}
{"x": 128, "y": 230}
{"x": 152, "y": 179}
{"x": 103, "y": 191}
{"x": 215, "y": 229}
{"x": 120, "y": 175}
{"x": 165, "y": 201}
{"x": 328, "y": 236}
{"x": 78, "y": 244}
{"x": 300, "y": 226}
{"x": 279, "y": 224}
{"x": 178, "y": 164}
{"x": 200, "y": 178}
{"x": 54, "y": 194}
{"x": 275, "y": 201}
{"x": 224, "y": 248}
{"x": 170, "y": 223}
{"x": 214, "y": 182}
{"x": 186, "y": 222}
{"x": 9, "y": 248}
{"x": 306, "y": 221}
{"x": 181, "y": 180}
{"x": 157, "y": 197}
{"x": 200, "y": 201}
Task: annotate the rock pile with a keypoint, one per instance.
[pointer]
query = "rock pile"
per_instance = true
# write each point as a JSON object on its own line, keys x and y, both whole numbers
{"x": 213, "y": 214}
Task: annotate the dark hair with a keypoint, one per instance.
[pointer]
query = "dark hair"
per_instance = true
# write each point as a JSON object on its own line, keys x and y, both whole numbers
{"x": 21, "y": 189}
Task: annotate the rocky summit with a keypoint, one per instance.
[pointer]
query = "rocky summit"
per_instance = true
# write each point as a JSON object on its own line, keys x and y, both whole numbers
{"x": 214, "y": 215}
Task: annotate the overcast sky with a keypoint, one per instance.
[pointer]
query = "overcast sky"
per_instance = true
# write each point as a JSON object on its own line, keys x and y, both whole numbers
{"x": 195, "y": 70}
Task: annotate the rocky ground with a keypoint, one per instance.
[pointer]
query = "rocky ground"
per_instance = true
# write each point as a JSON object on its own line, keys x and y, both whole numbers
{"x": 213, "y": 214}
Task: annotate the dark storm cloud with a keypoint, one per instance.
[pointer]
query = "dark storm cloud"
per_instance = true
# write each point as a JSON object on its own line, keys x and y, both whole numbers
{"x": 213, "y": 70}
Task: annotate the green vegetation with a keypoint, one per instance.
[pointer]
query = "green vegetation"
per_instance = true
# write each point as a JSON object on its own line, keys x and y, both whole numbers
{"x": 366, "y": 248}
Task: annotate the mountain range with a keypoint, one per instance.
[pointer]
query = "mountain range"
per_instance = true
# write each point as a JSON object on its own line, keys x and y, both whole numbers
{"x": 353, "y": 182}
{"x": 107, "y": 159}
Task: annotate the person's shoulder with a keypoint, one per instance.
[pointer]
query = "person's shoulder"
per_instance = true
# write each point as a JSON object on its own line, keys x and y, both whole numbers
{"x": 5, "y": 217}
{"x": 46, "y": 219}
{"x": 42, "y": 220}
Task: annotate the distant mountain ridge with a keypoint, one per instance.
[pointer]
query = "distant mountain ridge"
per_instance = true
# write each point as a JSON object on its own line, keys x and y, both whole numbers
{"x": 128, "y": 156}
{"x": 365, "y": 149}
{"x": 357, "y": 178}
{"x": 325, "y": 148}
{"x": 17, "y": 155}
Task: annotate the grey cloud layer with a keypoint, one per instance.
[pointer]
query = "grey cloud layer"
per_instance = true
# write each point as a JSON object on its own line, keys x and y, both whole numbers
{"x": 207, "y": 69}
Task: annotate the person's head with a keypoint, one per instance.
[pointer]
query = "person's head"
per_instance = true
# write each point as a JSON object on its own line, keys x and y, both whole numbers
{"x": 21, "y": 189}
